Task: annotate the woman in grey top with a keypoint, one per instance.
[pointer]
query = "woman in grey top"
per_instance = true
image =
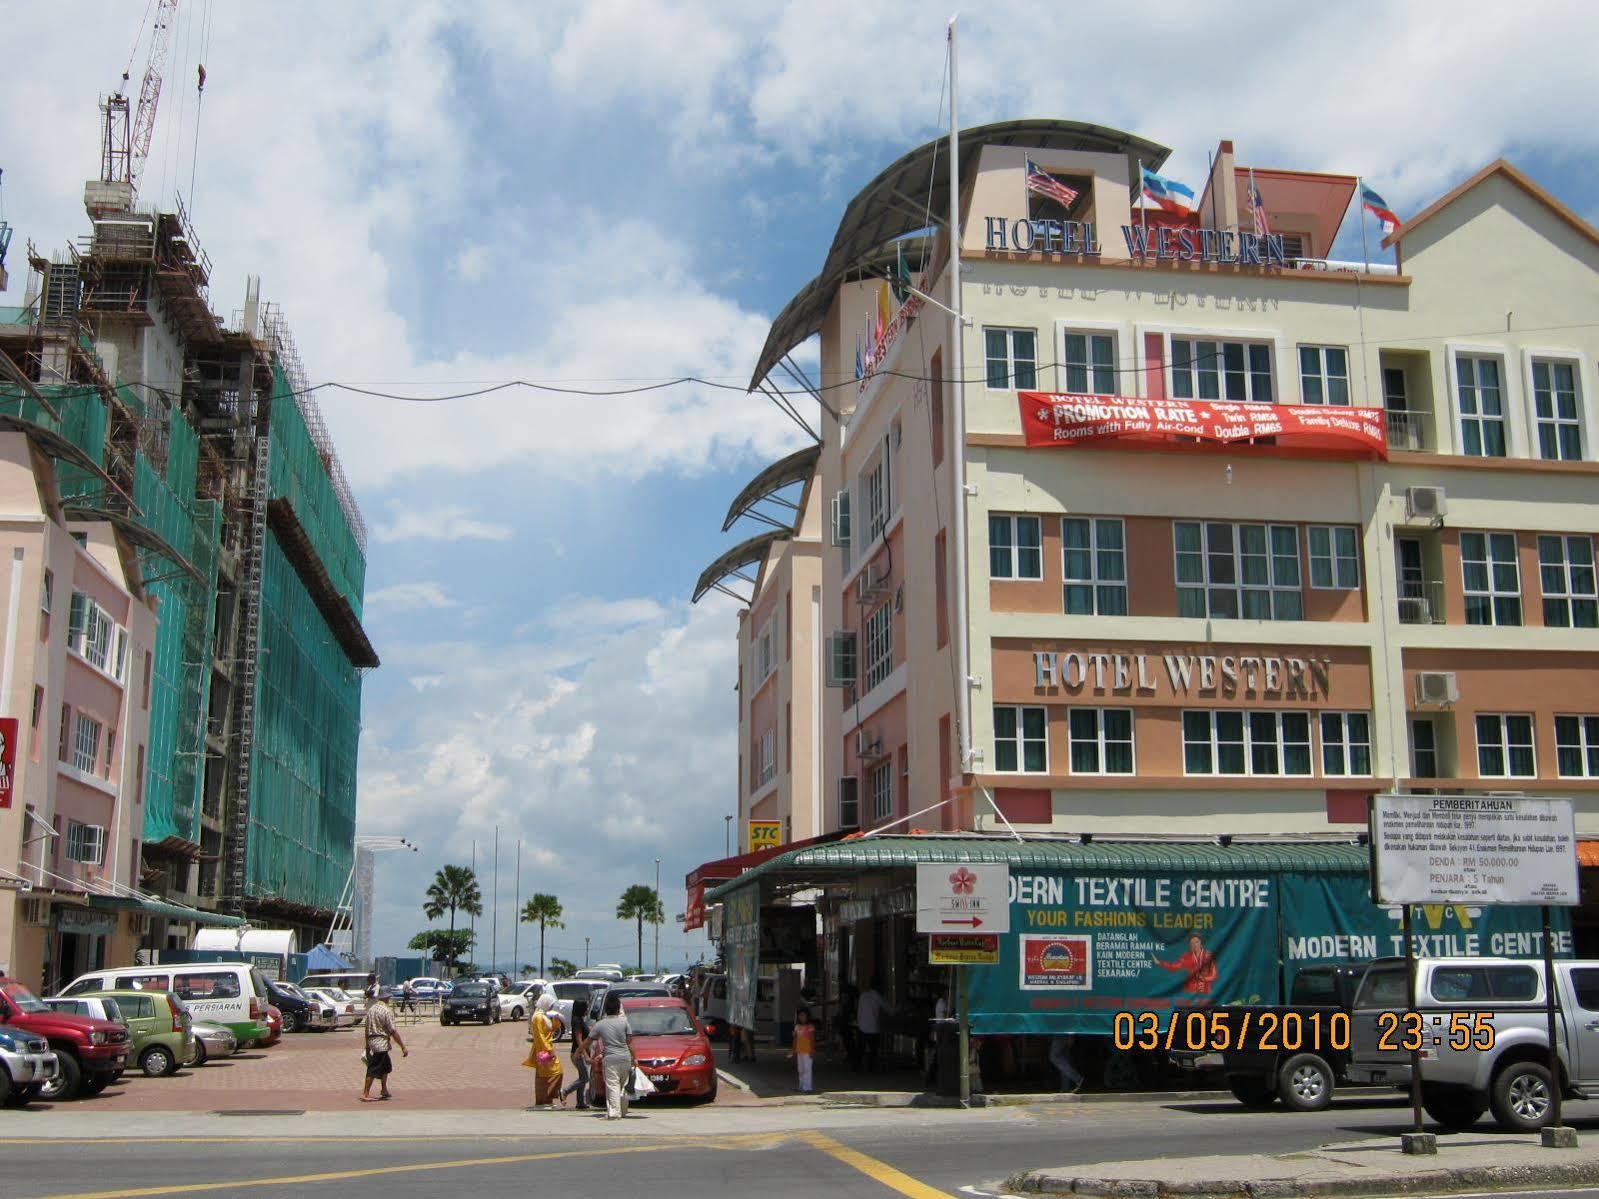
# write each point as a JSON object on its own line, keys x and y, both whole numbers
{"x": 612, "y": 1038}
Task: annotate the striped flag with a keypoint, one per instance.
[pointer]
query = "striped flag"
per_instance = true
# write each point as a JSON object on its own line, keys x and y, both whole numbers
{"x": 1045, "y": 184}
{"x": 1257, "y": 206}
{"x": 1371, "y": 202}
{"x": 1170, "y": 195}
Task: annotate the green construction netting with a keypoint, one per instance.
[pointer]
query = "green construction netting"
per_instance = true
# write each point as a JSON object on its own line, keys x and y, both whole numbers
{"x": 83, "y": 422}
{"x": 300, "y": 475}
{"x": 307, "y": 725}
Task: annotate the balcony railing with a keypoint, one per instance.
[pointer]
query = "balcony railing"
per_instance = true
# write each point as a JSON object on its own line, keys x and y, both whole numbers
{"x": 1406, "y": 429}
{"x": 1421, "y": 602}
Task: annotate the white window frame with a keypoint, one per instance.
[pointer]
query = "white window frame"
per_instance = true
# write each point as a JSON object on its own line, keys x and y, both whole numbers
{"x": 1249, "y": 743}
{"x": 1586, "y": 745}
{"x": 47, "y": 592}
{"x": 1503, "y": 744}
{"x": 1343, "y": 744}
{"x": 1323, "y": 376}
{"x": 86, "y": 731}
{"x": 1493, "y": 593}
{"x": 1573, "y": 588}
{"x": 1021, "y": 740}
{"x": 1194, "y": 369}
{"x": 1332, "y": 558}
{"x": 1013, "y": 383}
{"x": 1476, "y": 355}
{"x": 1093, "y": 581}
{"x": 1272, "y": 587}
{"x": 1013, "y": 547}
{"x": 1101, "y": 742}
{"x": 879, "y": 641}
{"x": 880, "y": 784}
{"x": 84, "y": 843}
{"x": 1094, "y": 373}
{"x": 1555, "y": 421}
{"x": 768, "y": 755}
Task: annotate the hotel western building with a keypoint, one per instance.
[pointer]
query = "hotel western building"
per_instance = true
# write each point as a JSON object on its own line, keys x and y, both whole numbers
{"x": 1201, "y": 536}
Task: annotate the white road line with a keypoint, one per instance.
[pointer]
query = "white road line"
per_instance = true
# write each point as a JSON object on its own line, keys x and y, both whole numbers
{"x": 734, "y": 1082}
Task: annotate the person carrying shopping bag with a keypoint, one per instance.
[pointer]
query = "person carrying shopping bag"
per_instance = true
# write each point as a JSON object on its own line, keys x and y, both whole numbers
{"x": 613, "y": 1037}
{"x": 541, "y": 1054}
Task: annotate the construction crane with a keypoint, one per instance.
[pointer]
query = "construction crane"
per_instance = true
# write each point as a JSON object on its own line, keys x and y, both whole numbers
{"x": 125, "y": 137}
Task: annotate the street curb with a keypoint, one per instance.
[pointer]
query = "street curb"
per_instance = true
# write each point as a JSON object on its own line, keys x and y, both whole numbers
{"x": 923, "y": 1099}
{"x": 1431, "y": 1182}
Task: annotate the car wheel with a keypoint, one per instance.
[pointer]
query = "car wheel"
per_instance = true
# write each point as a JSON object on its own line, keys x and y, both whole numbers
{"x": 24, "y": 1095}
{"x": 1522, "y": 1097}
{"x": 93, "y": 1084}
{"x": 158, "y": 1062}
{"x": 200, "y": 1054}
{"x": 8, "y": 1091}
{"x": 517, "y": 1013}
{"x": 1252, "y": 1091}
{"x": 1305, "y": 1083}
{"x": 1453, "y": 1108}
{"x": 68, "y": 1080}
{"x": 710, "y": 1096}
{"x": 294, "y": 1022}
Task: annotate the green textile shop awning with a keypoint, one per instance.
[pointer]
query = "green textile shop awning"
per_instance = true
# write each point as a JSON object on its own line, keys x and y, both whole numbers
{"x": 157, "y": 907}
{"x": 1197, "y": 857}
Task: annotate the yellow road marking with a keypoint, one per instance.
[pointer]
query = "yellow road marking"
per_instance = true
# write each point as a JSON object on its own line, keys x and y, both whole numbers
{"x": 882, "y": 1172}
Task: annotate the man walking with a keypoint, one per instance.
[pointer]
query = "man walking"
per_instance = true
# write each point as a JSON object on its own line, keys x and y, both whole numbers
{"x": 869, "y": 1021}
{"x": 380, "y": 1032}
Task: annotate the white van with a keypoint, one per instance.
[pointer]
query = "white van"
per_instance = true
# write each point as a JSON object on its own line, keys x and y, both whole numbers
{"x": 227, "y": 993}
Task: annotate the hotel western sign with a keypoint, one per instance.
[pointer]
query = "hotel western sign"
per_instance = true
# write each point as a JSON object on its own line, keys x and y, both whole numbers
{"x": 1179, "y": 675}
{"x": 1162, "y": 244}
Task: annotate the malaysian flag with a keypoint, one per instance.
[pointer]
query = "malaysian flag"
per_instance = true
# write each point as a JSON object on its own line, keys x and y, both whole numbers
{"x": 1257, "y": 207}
{"x": 1045, "y": 184}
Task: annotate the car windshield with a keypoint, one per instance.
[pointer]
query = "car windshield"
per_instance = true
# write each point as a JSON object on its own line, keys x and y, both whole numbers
{"x": 24, "y": 999}
{"x": 471, "y": 991}
{"x": 658, "y": 1021}
{"x": 573, "y": 991}
{"x": 292, "y": 991}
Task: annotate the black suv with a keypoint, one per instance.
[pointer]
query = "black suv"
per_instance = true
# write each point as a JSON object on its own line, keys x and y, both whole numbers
{"x": 471, "y": 1001}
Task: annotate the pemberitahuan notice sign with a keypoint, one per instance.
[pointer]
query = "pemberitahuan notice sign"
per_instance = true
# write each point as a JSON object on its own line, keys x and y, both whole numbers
{"x": 1482, "y": 849}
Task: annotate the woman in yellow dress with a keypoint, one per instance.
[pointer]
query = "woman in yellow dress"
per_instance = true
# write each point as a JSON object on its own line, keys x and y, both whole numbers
{"x": 541, "y": 1055}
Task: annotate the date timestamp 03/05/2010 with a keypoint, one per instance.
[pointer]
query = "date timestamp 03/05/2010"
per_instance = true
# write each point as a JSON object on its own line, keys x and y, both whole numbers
{"x": 1218, "y": 1030}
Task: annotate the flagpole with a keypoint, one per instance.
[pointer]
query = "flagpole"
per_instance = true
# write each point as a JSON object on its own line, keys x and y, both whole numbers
{"x": 516, "y": 915}
{"x": 1360, "y": 194}
{"x": 494, "y": 918}
{"x": 1143, "y": 209}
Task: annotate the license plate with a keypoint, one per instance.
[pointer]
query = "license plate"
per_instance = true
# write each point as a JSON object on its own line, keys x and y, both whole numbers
{"x": 660, "y": 1078}
{"x": 120, "y": 1060}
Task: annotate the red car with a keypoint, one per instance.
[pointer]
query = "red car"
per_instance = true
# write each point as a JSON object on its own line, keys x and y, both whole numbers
{"x": 274, "y": 1023}
{"x": 671, "y": 1047}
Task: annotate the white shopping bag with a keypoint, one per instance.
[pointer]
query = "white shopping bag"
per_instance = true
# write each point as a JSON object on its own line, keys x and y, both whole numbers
{"x": 640, "y": 1085}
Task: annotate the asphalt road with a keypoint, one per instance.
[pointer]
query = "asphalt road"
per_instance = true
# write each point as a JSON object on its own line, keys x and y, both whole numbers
{"x": 704, "y": 1152}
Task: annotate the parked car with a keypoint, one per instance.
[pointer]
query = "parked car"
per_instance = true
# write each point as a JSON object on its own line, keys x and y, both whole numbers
{"x": 27, "y": 1063}
{"x": 231, "y": 993}
{"x": 301, "y": 1013}
{"x": 625, "y": 991}
{"x": 346, "y": 1013}
{"x": 604, "y": 974}
{"x": 212, "y": 1041}
{"x": 518, "y": 1000}
{"x": 352, "y": 982}
{"x": 470, "y": 1001}
{"x": 672, "y": 1049}
{"x": 101, "y": 1007}
{"x": 1481, "y": 1025}
{"x": 160, "y": 1029}
{"x": 430, "y": 988}
{"x": 89, "y": 1052}
{"x": 274, "y": 1023}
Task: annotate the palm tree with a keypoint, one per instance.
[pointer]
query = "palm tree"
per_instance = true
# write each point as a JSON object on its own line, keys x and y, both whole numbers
{"x": 453, "y": 888}
{"x": 545, "y": 910}
{"x": 640, "y": 903}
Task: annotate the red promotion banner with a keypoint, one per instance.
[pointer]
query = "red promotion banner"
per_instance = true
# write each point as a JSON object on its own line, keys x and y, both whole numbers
{"x": 8, "y": 758}
{"x": 1051, "y": 419}
{"x": 694, "y": 914}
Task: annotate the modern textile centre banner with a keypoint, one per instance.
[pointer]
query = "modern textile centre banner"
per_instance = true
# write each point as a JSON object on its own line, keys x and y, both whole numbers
{"x": 1055, "y": 419}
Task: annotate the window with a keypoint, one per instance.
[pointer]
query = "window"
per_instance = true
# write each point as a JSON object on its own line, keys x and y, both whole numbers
{"x": 48, "y": 592}
{"x": 1220, "y": 370}
{"x": 1504, "y": 746}
{"x": 1577, "y": 746}
{"x": 1345, "y": 743}
{"x": 1101, "y": 740}
{"x": 1334, "y": 556}
{"x": 1094, "y": 565}
{"x": 86, "y": 744}
{"x": 1021, "y": 742}
{"x": 1015, "y": 547}
{"x": 768, "y": 755}
{"x": 1566, "y": 574}
{"x": 1492, "y": 578}
{"x": 1012, "y": 356}
{"x": 38, "y": 707}
{"x": 76, "y": 617}
{"x": 147, "y": 661}
{"x": 119, "y": 661}
{"x": 763, "y": 656}
{"x": 936, "y": 400}
{"x": 90, "y": 630}
{"x": 1395, "y": 392}
{"x": 1324, "y": 375}
{"x": 882, "y": 788}
{"x": 110, "y": 750}
{"x": 879, "y": 645}
{"x": 849, "y": 803}
{"x": 1089, "y": 363}
{"x": 85, "y": 843}
{"x": 941, "y": 588}
{"x": 1235, "y": 742}
{"x": 874, "y": 498}
{"x": 205, "y": 986}
{"x": 1586, "y": 985}
{"x": 1554, "y": 397}
{"x": 1482, "y": 406}
{"x": 65, "y": 742}
{"x": 842, "y": 667}
{"x": 1423, "y": 750}
{"x": 1229, "y": 570}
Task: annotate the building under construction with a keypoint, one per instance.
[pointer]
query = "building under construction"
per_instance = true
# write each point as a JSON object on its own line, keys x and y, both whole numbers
{"x": 199, "y": 441}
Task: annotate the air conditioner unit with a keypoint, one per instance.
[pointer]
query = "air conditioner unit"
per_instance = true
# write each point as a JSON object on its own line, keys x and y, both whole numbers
{"x": 849, "y": 803}
{"x": 868, "y": 745}
{"x": 1415, "y": 610}
{"x": 1437, "y": 687}
{"x": 871, "y": 583}
{"x": 841, "y": 659}
{"x": 1425, "y": 504}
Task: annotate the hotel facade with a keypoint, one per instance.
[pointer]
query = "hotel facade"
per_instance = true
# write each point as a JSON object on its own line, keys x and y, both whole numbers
{"x": 1073, "y": 596}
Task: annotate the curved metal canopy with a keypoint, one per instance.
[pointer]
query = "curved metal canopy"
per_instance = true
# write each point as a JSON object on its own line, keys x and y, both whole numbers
{"x": 895, "y": 203}
{"x": 796, "y": 468}
{"x": 745, "y": 553}
{"x": 135, "y": 533}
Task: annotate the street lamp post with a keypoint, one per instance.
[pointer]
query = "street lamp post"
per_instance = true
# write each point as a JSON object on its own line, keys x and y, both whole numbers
{"x": 585, "y": 951}
{"x": 727, "y": 838}
{"x": 657, "y": 922}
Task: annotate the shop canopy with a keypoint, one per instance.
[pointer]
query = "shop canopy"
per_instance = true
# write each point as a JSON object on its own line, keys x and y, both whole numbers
{"x": 156, "y": 907}
{"x": 323, "y": 958}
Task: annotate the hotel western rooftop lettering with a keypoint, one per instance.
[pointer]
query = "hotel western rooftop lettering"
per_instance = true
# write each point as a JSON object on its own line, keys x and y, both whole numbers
{"x": 1161, "y": 244}
{"x": 1181, "y": 675}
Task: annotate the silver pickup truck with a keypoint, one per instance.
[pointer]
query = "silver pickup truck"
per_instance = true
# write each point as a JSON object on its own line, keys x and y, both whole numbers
{"x": 1482, "y": 1031}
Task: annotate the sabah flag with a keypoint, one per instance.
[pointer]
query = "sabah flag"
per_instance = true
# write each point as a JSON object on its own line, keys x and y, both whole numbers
{"x": 1168, "y": 193}
{"x": 1378, "y": 207}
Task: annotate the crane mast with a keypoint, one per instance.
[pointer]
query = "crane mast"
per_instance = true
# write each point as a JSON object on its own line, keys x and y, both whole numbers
{"x": 126, "y": 131}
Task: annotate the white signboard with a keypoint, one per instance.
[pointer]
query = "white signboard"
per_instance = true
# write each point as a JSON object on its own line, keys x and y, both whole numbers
{"x": 962, "y": 897}
{"x": 1473, "y": 849}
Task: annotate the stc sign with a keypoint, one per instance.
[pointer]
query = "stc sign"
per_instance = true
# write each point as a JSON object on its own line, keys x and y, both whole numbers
{"x": 1178, "y": 676}
{"x": 1161, "y": 244}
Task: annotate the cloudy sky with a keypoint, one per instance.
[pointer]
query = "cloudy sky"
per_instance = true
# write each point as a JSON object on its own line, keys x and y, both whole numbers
{"x": 442, "y": 196}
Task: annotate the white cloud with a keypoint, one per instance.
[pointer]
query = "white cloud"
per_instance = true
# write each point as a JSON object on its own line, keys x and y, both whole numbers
{"x": 409, "y": 597}
{"x": 595, "y": 614}
{"x": 473, "y": 263}
{"x": 447, "y": 522}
